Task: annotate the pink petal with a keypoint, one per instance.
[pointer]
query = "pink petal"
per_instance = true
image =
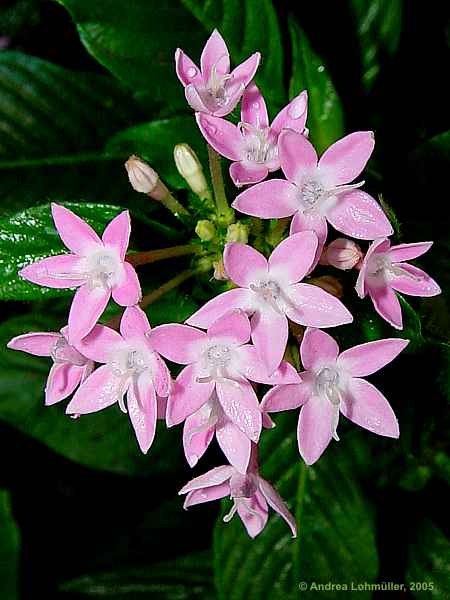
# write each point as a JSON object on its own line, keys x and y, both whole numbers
{"x": 276, "y": 502}
{"x": 318, "y": 349}
{"x": 187, "y": 396}
{"x": 161, "y": 377}
{"x": 128, "y": 291}
{"x": 39, "y": 344}
{"x": 244, "y": 73}
{"x": 87, "y": 306}
{"x": 253, "y": 524}
{"x": 222, "y": 135}
{"x": 314, "y": 431}
{"x": 293, "y": 257}
{"x": 215, "y": 476}
{"x": 215, "y": 53}
{"x": 100, "y": 390}
{"x": 358, "y": 215}
{"x": 286, "y": 397}
{"x": 234, "y": 444}
{"x": 408, "y": 251}
{"x": 293, "y": 116}
{"x": 186, "y": 69}
{"x": 134, "y": 323}
{"x": 206, "y": 495}
{"x": 316, "y": 308}
{"x": 367, "y": 407}
{"x": 417, "y": 284}
{"x": 297, "y": 155}
{"x": 270, "y": 335}
{"x": 253, "y": 368}
{"x": 194, "y": 99}
{"x": 243, "y": 264}
{"x": 387, "y": 305}
{"x": 195, "y": 442}
{"x": 253, "y": 108}
{"x": 311, "y": 222}
{"x": 240, "y": 404}
{"x": 268, "y": 200}
{"x": 368, "y": 358}
{"x": 380, "y": 245}
{"x": 117, "y": 233}
{"x": 59, "y": 272}
{"x": 97, "y": 345}
{"x": 76, "y": 234}
{"x": 234, "y": 326}
{"x": 346, "y": 158}
{"x": 142, "y": 408}
{"x": 216, "y": 307}
{"x": 179, "y": 343}
{"x": 267, "y": 421}
{"x": 246, "y": 173}
{"x": 63, "y": 379}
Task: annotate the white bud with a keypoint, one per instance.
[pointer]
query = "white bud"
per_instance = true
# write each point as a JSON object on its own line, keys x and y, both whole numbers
{"x": 142, "y": 177}
{"x": 190, "y": 168}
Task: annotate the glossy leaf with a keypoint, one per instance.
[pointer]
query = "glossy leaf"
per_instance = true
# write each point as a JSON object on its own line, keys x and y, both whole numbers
{"x": 9, "y": 549}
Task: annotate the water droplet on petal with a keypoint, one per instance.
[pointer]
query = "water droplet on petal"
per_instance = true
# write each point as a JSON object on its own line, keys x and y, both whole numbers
{"x": 193, "y": 459}
{"x": 256, "y": 105}
{"x": 297, "y": 108}
{"x": 212, "y": 129}
{"x": 191, "y": 72}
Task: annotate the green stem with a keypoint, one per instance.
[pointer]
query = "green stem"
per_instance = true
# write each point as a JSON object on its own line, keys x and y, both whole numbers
{"x": 165, "y": 287}
{"x": 143, "y": 258}
{"x": 223, "y": 210}
{"x": 300, "y": 501}
{"x": 172, "y": 204}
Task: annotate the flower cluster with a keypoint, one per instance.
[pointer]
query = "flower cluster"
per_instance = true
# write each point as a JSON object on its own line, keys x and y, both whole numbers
{"x": 241, "y": 337}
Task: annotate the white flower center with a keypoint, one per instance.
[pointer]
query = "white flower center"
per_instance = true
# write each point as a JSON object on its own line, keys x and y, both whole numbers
{"x": 259, "y": 147}
{"x": 130, "y": 361}
{"x": 327, "y": 387}
{"x": 62, "y": 352}
{"x": 271, "y": 292}
{"x": 381, "y": 268}
{"x": 103, "y": 268}
{"x": 314, "y": 197}
{"x": 215, "y": 362}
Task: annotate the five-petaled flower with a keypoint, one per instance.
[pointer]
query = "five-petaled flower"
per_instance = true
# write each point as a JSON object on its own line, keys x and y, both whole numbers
{"x": 70, "y": 368}
{"x": 383, "y": 270}
{"x": 131, "y": 366}
{"x": 269, "y": 290}
{"x": 213, "y": 89}
{"x": 96, "y": 266}
{"x": 253, "y": 143}
{"x": 332, "y": 385}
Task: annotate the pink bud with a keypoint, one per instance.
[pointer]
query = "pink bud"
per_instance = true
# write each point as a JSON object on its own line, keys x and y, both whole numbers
{"x": 342, "y": 253}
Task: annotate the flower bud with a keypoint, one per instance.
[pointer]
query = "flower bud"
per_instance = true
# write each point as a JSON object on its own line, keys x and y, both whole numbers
{"x": 237, "y": 232}
{"x": 205, "y": 230}
{"x": 190, "y": 168}
{"x": 342, "y": 253}
{"x": 144, "y": 179}
{"x": 204, "y": 264}
{"x": 219, "y": 271}
{"x": 328, "y": 283}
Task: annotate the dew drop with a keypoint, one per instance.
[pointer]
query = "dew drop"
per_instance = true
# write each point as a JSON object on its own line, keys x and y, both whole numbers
{"x": 212, "y": 129}
{"x": 191, "y": 72}
{"x": 297, "y": 108}
{"x": 321, "y": 69}
{"x": 256, "y": 105}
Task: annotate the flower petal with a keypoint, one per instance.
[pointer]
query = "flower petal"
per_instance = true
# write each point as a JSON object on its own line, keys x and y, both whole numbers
{"x": 253, "y": 368}
{"x": 215, "y": 54}
{"x": 311, "y": 222}
{"x": 418, "y": 283}
{"x": 194, "y": 99}
{"x": 253, "y": 108}
{"x": 234, "y": 444}
{"x": 75, "y": 233}
{"x": 128, "y": 291}
{"x": 276, "y": 502}
{"x": 380, "y": 245}
{"x": 343, "y": 161}
{"x": 358, "y": 215}
{"x": 87, "y": 306}
{"x": 404, "y": 252}
{"x": 234, "y": 326}
{"x": 293, "y": 116}
{"x": 318, "y": 349}
{"x": 255, "y": 519}
{"x": 286, "y": 397}
{"x": 270, "y": 335}
{"x": 207, "y": 495}
{"x": 186, "y": 396}
{"x": 216, "y": 307}
{"x": 387, "y": 305}
{"x": 117, "y": 233}
{"x": 314, "y": 431}
{"x": 142, "y": 408}
{"x": 59, "y": 272}
{"x": 62, "y": 381}
{"x": 100, "y": 390}
{"x": 39, "y": 344}
{"x": 316, "y": 308}
{"x": 99, "y": 342}
{"x": 293, "y": 257}
{"x": 297, "y": 155}
{"x": 244, "y": 73}
{"x": 181, "y": 344}
{"x": 366, "y": 406}
{"x": 222, "y": 135}
{"x": 215, "y": 476}
{"x": 186, "y": 69}
{"x": 368, "y": 358}
{"x": 268, "y": 200}
{"x": 243, "y": 264}
{"x": 134, "y": 323}
{"x": 240, "y": 404}
{"x": 161, "y": 377}
{"x": 196, "y": 435}
{"x": 246, "y": 173}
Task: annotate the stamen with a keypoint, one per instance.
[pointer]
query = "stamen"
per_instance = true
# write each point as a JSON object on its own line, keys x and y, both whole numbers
{"x": 340, "y": 189}
{"x": 227, "y": 518}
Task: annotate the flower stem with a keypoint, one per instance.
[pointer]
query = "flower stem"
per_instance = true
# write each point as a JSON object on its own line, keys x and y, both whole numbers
{"x": 224, "y": 212}
{"x": 172, "y": 204}
{"x": 143, "y": 258}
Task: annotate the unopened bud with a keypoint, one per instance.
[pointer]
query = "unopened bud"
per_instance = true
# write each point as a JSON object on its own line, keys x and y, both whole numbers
{"x": 219, "y": 271}
{"x": 330, "y": 284}
{"x": 237, "y": 232}
{"x": 342, "y": 253}
{"x": 204, "y": 264}
{"x": 144, "y": 179}
{"x": 205, "y": 230}
{"x": 190, "y": 168}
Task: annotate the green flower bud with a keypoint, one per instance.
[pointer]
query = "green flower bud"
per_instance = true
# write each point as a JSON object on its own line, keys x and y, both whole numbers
{"x": 237, "y": 232}
{"x": 205, "y": 230}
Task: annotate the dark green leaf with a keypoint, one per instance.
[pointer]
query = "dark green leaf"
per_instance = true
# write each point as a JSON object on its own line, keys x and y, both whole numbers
{"x": 325, "y": 115}
{"x": 336, "y": 531}
{"x": 9, "y": 550}
{"x": 174, "y": 307}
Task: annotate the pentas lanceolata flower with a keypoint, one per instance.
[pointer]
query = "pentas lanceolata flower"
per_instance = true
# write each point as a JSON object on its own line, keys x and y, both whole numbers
{"x": 266, "y": 295}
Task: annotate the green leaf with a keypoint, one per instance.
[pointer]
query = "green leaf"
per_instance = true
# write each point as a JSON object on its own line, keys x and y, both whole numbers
{"x": 330, "y": 547}
{"x": 325, "y": 114}
{"x": 378, "y": 26}
{"x": 174, "y": 307}
{"x": 248, "y": 26}
{"x": 9, "y": 550}
{"x": 428, "y": 572}
{"x": 136, "y": 41}
{"x": 103, "y": 440}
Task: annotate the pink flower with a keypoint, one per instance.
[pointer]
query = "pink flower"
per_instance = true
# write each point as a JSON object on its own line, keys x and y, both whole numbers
{"x": 96, "y": 266}
{"x": 269, "y": 290}
{"x": 250, "y": 494}
{"x": 70, "y": 368}
{"x": 332, "y": 384}
{"x": 383, "y": 270}
{"x": 320, "y": 190}
{"x": 253, "y": 144}
{"x": 218, "y": 361}
{"x": 130, "y": 366}
{"x": 342, "y": 254}
{"x": 213, "y": 89}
